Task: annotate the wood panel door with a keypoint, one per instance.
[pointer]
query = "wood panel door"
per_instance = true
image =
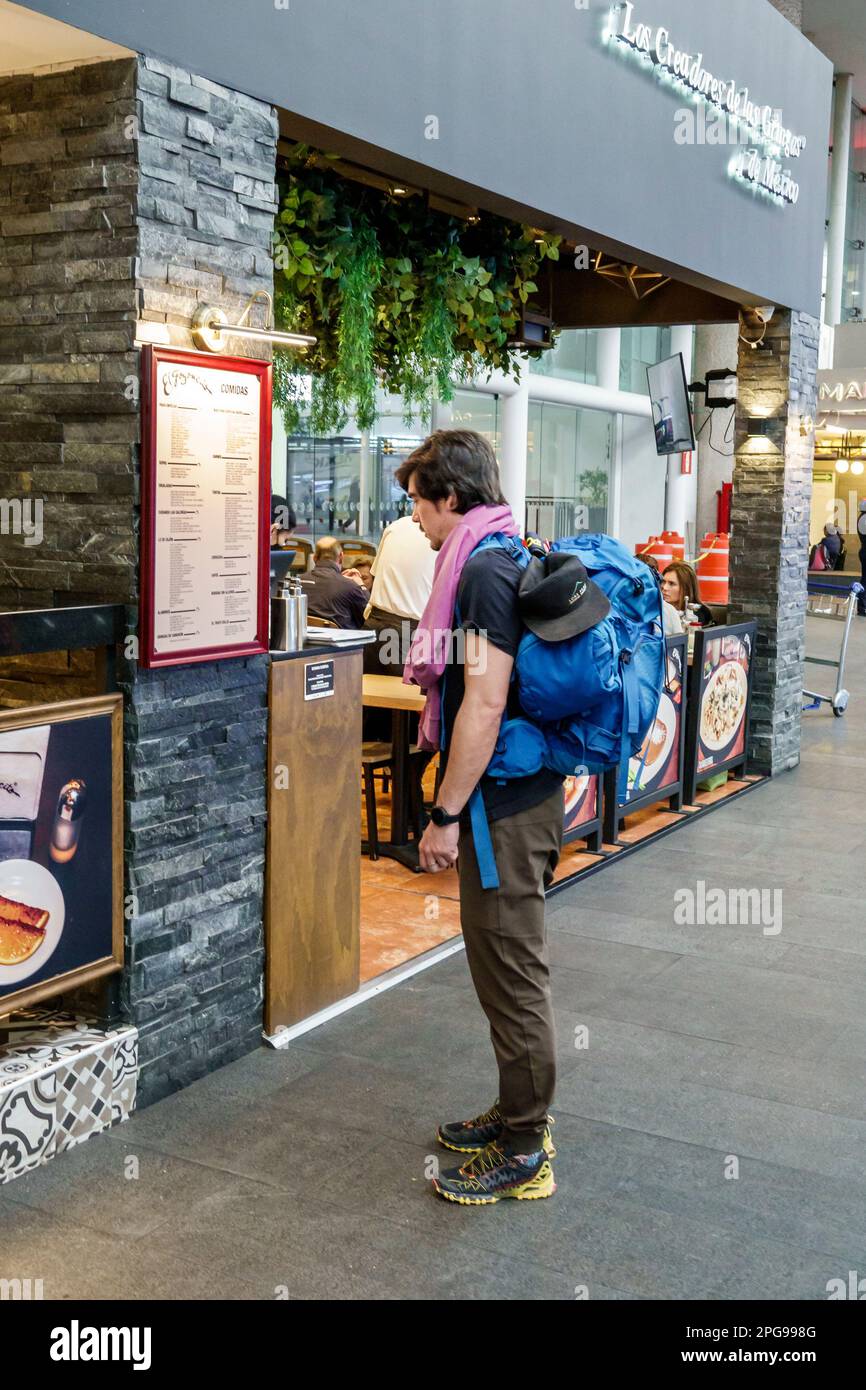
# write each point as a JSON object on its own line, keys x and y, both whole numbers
{"x": 313, "y": 873}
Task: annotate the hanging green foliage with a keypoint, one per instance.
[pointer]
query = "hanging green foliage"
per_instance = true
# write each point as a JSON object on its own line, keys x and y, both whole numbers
{"x": 397, "y": 295}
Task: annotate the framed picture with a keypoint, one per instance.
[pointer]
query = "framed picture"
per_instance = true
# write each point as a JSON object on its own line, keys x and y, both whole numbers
{"x": 720, "y": 691}
{"x": 655, "y": 774}
{"x": 61, "y": 847}
{"x": 205, "y": 538}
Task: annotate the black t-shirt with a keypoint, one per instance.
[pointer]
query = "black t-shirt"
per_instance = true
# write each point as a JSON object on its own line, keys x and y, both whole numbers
{"x": 487, "y": 599}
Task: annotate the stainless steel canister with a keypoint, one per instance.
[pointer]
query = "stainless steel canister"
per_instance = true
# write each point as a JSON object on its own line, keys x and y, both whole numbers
{"x": 288, "y": 617}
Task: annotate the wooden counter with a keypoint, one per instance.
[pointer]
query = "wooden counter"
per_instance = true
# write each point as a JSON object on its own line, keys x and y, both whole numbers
{"x": 313, "y": 870}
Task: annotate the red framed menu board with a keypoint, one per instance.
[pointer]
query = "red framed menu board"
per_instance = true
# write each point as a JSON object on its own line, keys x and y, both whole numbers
{"x": 206, "y": 461}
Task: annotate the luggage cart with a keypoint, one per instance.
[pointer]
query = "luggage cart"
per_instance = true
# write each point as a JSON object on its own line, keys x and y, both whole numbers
{"x": 838, "y": 605}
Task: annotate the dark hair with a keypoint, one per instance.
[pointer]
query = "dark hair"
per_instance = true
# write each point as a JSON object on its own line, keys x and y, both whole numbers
{"x": 458, "y": 461}
{"x": 687, "y": 580}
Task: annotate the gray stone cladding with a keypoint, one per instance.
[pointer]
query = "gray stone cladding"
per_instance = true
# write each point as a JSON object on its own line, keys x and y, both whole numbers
{"x": 770, "y": 526}
{"x": 197, "y": 735}
{"x": 68, "y": 408}
{"x": 130, "y": 192}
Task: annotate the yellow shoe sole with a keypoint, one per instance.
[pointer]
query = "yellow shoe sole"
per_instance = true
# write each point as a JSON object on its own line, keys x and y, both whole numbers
{"x": 542, "y": 1185}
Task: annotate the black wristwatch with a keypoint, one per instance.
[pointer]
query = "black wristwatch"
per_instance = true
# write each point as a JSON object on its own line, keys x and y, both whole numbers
{"x": 440, "y": 816}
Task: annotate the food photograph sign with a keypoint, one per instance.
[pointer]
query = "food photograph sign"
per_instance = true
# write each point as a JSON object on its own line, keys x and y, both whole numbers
{"x": 722, "y": 682}
{"x": 205, "y": 507}
{"x": 581, "y": 806}
{"x": 61, "y": 833}
{"x": 658, "y": 763}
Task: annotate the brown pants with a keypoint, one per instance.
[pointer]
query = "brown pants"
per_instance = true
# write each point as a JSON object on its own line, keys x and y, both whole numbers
{"x": 506, "y": 947}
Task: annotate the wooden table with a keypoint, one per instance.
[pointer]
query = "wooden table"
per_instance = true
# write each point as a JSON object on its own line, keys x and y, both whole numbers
{"x": 389, "y": 692}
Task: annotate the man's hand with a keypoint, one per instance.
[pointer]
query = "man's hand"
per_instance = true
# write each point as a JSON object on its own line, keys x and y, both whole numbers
{"x": 437, "y": 848}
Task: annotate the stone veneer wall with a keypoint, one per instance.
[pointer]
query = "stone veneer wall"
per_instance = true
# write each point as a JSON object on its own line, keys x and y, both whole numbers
{"x": 197, "y": 734}
{"x": 770, "y": 526}
{"x": 68, "y": 239}
{"x": 129, "y": 192}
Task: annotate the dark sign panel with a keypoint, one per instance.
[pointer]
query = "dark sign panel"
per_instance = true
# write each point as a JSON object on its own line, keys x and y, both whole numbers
{"x": 318, "y": 680}
{"x": 61, "y": 834}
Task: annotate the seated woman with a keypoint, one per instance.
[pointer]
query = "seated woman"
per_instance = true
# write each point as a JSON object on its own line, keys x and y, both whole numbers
{"x": 680, "y": 589}
{"x": 673, "y": 622}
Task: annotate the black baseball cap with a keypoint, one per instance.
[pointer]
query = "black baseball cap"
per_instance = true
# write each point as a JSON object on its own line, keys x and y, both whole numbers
{"x": 557, "y": 598}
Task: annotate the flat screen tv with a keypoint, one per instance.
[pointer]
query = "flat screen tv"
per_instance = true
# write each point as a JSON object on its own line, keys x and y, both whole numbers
{"x": 672, "y": 416}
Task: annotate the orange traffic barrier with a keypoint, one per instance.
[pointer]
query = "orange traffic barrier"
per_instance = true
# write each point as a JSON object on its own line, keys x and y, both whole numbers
{"x": 713, "y": 567}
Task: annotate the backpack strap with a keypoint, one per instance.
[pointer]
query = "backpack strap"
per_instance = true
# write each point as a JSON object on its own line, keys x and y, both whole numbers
{"x": 631, "y": 718}
{"x": 481, "y": 837}
{"x": 483, "y": 841}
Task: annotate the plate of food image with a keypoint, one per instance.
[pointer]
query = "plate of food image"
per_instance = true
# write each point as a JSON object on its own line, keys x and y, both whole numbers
{"x": 575, "y": 789}
{"x": 32, "y": 913}
{"x": 656, "y": 747}
{"x": 724, "y": 705}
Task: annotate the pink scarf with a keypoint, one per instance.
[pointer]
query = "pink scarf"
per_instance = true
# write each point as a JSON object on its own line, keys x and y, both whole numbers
{"x": 429, "y": 650}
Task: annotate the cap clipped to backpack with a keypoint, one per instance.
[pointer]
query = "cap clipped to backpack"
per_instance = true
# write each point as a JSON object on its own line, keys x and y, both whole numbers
{"x": 557, "y": 599}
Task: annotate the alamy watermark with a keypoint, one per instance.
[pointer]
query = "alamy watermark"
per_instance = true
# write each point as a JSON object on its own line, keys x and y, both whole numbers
{"x": 22, "y": 516}
{"x": 729, "y": 907}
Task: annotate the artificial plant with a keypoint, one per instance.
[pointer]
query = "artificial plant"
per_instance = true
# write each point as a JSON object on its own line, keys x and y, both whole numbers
{"x": 397, "y": 295}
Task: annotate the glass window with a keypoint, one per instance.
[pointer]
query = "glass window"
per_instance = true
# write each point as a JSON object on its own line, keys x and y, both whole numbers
{"x": 344, "y": 485}
{"x": 575, "y": 357}
{"x": 477, "y": 410}
{"x": 569, "y": 452}
{"x": 639, "y": 348}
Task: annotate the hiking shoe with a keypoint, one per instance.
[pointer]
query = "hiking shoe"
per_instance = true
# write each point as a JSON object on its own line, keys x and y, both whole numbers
{"x": 495, "y": 1173}
{"x": 471, "y": 1136}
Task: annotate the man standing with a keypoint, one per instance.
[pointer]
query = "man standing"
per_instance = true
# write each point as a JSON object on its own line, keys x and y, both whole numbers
{"x": 861, "y": 532}
{"x": 402, "y": 580}
{"x": 330, "y": 593}
{"x": 453, "y": 483}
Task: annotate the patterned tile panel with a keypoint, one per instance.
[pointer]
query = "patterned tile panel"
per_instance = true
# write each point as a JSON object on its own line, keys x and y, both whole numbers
{"x": 59, "y": 1084}
{"x": 28, "y": 1125}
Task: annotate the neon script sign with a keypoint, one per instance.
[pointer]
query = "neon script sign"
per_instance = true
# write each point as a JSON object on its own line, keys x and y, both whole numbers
{"x": 760, "y": 168}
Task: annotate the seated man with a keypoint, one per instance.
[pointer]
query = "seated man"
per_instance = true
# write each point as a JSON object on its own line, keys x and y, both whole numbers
{"x": 331, "y": 594}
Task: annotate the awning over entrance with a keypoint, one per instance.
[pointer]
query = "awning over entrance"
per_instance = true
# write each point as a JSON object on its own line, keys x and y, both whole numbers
{"x": 690, "y": 139}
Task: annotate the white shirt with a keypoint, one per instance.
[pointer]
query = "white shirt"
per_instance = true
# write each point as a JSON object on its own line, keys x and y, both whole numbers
{"x": 673, "y": 622}
{"x": 403, "y": 570}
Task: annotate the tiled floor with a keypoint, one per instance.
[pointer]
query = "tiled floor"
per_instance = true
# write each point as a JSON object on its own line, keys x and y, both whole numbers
{"x": 403, "y": 914}
{"x": 711, "y": 1131}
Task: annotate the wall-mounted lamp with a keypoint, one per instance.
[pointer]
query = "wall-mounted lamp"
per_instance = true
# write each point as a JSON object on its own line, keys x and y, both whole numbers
{"x": 211, "y": 328}
{"x": 758, "y": 425}
{"x": 842, "y": 465}
{"x": 857, "y": 467}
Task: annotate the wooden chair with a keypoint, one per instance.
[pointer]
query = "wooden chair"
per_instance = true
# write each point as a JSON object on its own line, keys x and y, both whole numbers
{"x": 304, "y": 551}
{"x": 356, "y": 550}
{"x": 313, "y": 621}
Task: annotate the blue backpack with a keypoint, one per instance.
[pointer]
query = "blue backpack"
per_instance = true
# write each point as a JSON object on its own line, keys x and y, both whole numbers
{"x": 589, "y": 701}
